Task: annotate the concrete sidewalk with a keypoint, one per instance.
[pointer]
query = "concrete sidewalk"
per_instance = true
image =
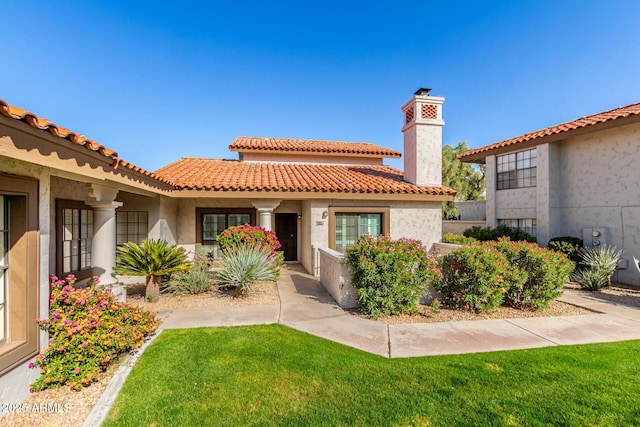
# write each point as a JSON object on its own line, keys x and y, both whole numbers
{"x": 306, "y": 306}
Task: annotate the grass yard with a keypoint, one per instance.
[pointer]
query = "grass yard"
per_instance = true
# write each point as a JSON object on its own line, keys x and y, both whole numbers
{"x": 272, "y": 375}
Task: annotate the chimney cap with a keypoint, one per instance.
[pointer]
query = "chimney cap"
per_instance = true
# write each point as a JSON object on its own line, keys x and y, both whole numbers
{"x": 423, "y": 91}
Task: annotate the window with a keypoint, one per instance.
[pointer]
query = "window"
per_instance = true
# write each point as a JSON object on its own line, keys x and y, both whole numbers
{"x": 212, "y": 222}
{"x": 527, "y": 225}
{"x": 131, "y": 227}
{"x": 19, "y": 269}
{"x": 516, "y": 170}
{"x": 75, "y": 232}
{"x": 346, "y": 225}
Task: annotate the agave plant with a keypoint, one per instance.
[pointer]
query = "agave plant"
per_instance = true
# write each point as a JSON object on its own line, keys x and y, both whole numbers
{"x": 152, "y": 259}
{"x": 601, "y": 259}
{"x": 243, "y": 265}
{"x": 590, "y": 280}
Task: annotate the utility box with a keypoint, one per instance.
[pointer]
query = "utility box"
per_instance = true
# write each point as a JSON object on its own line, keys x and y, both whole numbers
{"x": 594, "y": 236}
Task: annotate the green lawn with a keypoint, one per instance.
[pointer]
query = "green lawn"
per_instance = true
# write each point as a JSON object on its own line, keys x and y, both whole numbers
{"x": 273, "y": 375}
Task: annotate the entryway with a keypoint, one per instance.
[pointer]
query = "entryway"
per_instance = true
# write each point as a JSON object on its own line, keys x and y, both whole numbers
{"x": 287, "y": 234}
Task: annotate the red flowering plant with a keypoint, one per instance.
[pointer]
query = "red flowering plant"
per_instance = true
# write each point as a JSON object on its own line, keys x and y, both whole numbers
{"x": 252, "y": 235}
{"x": 88, "y": 330}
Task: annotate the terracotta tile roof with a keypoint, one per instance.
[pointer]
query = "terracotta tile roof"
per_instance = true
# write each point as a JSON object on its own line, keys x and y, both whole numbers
{"x": 37, "y": 122}
{"x": 289, "y": 145}
{"x": 215, "y": 174}
{"x": 581, "y": 123}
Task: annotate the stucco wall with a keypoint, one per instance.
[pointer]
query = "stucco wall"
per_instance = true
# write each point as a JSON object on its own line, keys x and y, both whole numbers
{"x": 458, "y": 227}
{"x": 472, "y": 210}
{"x": 335, "y": 277}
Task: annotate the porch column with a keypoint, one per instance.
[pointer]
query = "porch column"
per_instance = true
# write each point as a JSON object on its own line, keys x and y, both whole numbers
{"x": 103, "y": 243}
{"x": 265, "y": 210}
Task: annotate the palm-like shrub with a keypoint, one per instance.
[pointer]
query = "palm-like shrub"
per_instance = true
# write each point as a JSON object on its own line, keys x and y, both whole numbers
{"x": 152, "y": 259}
{"x": 243, "y": 265}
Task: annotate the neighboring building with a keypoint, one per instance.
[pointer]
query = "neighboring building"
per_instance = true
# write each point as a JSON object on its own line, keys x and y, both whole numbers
{"x": 66, "y": 202}
{"x": 580, "y": 178}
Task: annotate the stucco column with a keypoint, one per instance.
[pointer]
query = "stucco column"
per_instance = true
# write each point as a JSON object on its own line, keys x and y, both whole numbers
{"x": 103, "y": 244}
{"x": 265, "y": 211}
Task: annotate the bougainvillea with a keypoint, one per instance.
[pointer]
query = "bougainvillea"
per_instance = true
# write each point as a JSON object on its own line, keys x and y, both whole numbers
{"x": 252, "y": 235}
{"x": 88, "y": 330}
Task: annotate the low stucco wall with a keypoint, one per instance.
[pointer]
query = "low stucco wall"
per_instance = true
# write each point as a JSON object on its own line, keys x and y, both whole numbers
{"x": 458, "y": 227}
{"x": 335, "y": 277}
{"x": 444, "y": 248}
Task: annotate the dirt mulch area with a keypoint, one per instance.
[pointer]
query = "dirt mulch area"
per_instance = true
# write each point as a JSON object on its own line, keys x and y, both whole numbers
{"x": 618, "y": 294}
{"x": 262, "y": 293}
{"x": 59, "y": 407}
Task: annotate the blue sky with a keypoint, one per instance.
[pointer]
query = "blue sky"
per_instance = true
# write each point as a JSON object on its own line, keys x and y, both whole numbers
{"x": 157, "y": 81}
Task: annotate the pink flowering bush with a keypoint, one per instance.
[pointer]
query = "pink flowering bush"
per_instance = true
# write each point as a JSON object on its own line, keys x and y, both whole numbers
{"x": 390, "y": 275}
{"x": 88, "y": 330}
{"x": 253, "y": 236}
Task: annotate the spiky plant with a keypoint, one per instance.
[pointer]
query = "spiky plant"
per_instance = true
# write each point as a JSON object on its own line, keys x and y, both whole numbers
{"x": 243, "y": 265}
{"x": 152, "y": 259}
{"x": 601, "y": 259}
{"x": 588, "y": 279}
{"x": 197, "y": 279}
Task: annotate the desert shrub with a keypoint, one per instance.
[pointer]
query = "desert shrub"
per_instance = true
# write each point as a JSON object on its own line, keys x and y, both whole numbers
{"x": 457, "y": 239}
{"x": 567, "y": 245}
{"x": 590, "y": 280}
{"x": 476, "y": 278}
{"x": 602, "y": 260}
{"x": 545, "y": 273}
{"x": 252, "y": 235}
{"x": 390, "y": 275}
{"x": 196, "y": 280}
{"x": 88, "y": 330}
{"x": 245, "y": 264}
{"x": 485, "y": 233}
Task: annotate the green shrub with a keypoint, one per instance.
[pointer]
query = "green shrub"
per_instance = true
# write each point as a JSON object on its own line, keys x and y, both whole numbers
{"x": 196, "y": 280}
{"x": 589, "y": 279}
{"x": 252, "y": 235}
{"x": 390, "y": 275}
{"x": 601, "y": 260}
{"x": 485, "y": 233}
{"x": 567, "y": 245}
{"x": 545, "y": 272}
{"x": 457, "y": 239}
{"x": 476, "y": 278}
{"x": 243, "y": 265}
{"x": 88, "y": 330}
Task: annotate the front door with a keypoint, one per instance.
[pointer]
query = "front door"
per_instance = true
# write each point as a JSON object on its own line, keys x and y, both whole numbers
{"x": 287, "y": 234}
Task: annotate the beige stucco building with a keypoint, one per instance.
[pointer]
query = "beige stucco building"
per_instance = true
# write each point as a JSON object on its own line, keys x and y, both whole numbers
{"x": 66, "y": 202}
{"x": 579, "y": 178}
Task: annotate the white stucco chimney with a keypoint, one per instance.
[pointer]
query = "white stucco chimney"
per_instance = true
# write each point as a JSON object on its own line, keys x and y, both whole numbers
{"x": 423, "y": 139}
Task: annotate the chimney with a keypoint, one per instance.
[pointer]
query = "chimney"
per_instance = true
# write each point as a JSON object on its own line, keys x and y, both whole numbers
{"x": 423, "y": 139}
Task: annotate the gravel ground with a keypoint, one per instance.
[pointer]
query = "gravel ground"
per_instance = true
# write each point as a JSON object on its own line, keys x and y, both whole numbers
{"x": 79, "y": 404}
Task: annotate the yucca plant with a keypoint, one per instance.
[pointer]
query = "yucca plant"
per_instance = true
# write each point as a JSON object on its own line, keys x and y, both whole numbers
{"x": 601, "y": 259}
{"x": 243, "y": 265}
{"x": 588, "y": 279}
{"x": 152, "y": 259}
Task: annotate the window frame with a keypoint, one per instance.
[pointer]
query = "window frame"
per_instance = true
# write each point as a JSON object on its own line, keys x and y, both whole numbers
{"x": 127, "y": 232}
{"x": 519, "y": 225}
{"x": 385, "y": 222}
{"x": 23, "y": 299}
{"x": 62, "y": 204}
{"x": 226, "y": 211}
{"x": 519, "y": 176}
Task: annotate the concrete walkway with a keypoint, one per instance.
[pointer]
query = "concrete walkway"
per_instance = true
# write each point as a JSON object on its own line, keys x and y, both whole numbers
{"x": 306, "y": 306}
